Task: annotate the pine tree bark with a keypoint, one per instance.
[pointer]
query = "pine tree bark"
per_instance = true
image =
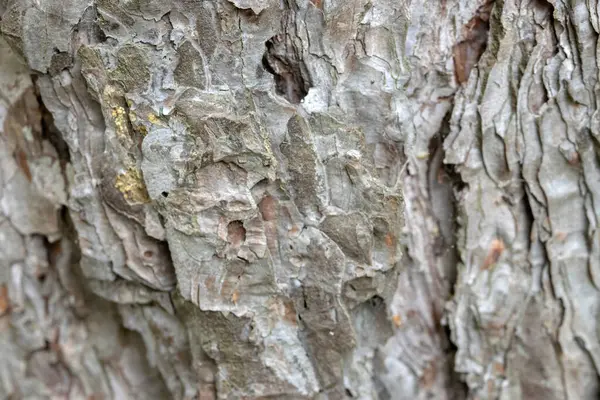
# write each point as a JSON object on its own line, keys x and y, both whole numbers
{"x": 322, "y": 199}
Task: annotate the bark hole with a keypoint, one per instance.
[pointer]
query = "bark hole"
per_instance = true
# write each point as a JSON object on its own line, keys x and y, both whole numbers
{"x": 283, "y": 60}
{"x": 236, "y": 233}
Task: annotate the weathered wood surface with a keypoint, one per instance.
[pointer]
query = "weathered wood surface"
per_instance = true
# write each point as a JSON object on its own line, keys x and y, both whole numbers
{"x": 324, "y": 199}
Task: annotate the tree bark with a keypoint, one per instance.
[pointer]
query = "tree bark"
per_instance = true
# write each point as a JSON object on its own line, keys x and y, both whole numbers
{"x": 322, "y": 199}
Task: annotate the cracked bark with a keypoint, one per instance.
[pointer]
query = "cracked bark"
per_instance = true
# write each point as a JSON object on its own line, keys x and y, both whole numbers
{"x": 316, "y": 199}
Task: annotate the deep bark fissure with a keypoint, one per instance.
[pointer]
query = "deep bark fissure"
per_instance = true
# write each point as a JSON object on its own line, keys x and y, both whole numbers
{"x": 49, "y": 130}
{"x": 445, "y": 175}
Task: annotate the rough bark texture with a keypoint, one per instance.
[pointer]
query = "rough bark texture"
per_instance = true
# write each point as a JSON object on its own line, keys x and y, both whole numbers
{"x": 299, "y": 199}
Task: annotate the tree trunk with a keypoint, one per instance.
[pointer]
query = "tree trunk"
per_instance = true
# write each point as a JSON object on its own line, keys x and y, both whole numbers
{"x": 323, "y": 199}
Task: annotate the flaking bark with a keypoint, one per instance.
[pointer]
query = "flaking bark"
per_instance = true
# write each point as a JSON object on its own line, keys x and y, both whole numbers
{"x": 307, "y": 199}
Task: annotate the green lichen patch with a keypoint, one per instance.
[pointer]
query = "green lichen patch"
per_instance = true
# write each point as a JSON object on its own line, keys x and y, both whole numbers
{"x": 92, "y": 69}
{"x": 132, "y": 70}
{"x": 190, "y": 70}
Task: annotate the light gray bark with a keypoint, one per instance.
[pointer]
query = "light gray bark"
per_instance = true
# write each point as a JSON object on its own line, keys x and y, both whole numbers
{"x": 305, "y": 199}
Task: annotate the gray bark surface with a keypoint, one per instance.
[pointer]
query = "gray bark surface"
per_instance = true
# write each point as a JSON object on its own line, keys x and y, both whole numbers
{"x": 299, "y": 199}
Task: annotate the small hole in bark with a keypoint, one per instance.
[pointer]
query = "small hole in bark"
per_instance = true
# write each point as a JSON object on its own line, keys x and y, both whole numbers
{"x": 349, "y": 393}
{"x": 148, "y": 254}
{"x": 375, "y": 301}
{"x": 236, "y": 233}
{"x": 100, "y": 35}
{"x": 41, "y": 277}
{"x": 165, "y": 194}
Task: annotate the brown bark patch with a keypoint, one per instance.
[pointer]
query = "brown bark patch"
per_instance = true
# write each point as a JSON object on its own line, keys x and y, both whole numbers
{"x": 21, "y": 158}
{"x": 496, "y": 250}
{"x": 468, "y": 51}
{"x": 498, "y": 368}
{"x": 4, "y": 303}
{"x": 268, "y": 208}
{"x": 429, "y": 375}
{"x": 389, "y": 240}
{"x": 235, "y": 296}
{"x": 290, "y": 312}
{"x": 210, "y": 282}
{"x": 317, "y": 3}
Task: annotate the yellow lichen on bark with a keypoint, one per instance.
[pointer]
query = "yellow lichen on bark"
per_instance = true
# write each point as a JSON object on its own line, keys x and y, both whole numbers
{"x": 131, "y": 184}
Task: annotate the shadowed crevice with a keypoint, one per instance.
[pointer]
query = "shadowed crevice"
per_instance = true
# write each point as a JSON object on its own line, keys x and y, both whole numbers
{"x": 283, "y": 59}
